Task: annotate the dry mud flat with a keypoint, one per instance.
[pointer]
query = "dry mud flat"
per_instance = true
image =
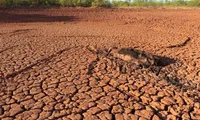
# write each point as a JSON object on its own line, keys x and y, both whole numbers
{"x": 47, "y": 71}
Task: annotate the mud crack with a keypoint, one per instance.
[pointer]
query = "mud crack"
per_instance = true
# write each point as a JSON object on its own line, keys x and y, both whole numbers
{"x": 182, "y": 44}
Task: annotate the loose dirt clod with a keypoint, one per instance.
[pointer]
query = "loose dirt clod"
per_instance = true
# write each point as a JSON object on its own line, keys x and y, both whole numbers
{"x": 127, "y": 59}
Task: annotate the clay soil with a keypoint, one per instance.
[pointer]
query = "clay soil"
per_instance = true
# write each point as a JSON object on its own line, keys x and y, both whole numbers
{"x": 44, "y": 64}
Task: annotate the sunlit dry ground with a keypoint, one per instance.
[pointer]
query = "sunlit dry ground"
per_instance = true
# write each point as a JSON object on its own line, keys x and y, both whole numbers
{"x": 44, "y": 64}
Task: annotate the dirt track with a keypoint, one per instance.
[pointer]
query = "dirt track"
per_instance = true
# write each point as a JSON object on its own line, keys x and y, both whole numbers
{"x": 44, "y": 64}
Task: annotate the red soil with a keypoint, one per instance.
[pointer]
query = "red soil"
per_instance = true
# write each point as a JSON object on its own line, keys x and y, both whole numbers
{"x": 44, "y": 61}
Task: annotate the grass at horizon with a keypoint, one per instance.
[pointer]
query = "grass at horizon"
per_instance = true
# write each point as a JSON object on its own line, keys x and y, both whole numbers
{"x": 96, "y": 3}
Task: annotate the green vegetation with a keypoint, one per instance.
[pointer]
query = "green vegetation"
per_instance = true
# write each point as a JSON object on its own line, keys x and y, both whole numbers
{"x": 24, "y": 3}
{"x": 100, "y": 3}
{"x": 157, "y": 3}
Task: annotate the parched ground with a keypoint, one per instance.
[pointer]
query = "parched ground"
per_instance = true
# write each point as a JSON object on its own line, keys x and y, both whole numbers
{"x": 44, "y": 64}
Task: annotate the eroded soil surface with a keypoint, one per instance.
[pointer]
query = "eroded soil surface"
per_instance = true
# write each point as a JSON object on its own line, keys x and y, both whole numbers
{"x": 47, "y": 71}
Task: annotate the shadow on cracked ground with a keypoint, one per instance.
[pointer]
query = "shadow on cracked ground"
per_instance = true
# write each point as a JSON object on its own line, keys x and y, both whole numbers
{"x": 129, "y": 60}
{"x": 17, "y": 18}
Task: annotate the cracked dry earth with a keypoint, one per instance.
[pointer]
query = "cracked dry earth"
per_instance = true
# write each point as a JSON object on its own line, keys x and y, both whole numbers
{"x": 45, "y": 64}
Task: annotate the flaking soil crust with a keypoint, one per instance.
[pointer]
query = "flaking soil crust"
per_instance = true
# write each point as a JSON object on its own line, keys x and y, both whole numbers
{"x": 48, "y": 72}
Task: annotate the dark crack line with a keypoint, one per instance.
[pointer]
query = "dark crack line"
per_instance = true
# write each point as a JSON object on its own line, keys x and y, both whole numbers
{"x": 38, "y": 62}
{"x": 182, "y": 44}
{"x": 122, "y": 92}
{"x": 8, "y": 48}
{"x": 110, "y": 111}
{"x": 19, "y": 32}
